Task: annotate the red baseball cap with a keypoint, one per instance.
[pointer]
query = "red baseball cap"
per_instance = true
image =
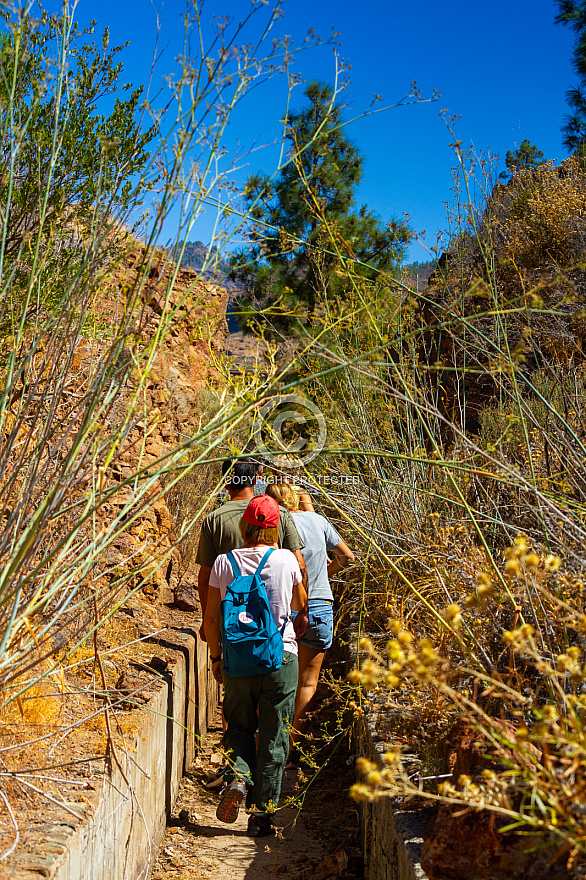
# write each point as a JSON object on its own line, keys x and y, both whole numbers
{"x": 262, "y": 511}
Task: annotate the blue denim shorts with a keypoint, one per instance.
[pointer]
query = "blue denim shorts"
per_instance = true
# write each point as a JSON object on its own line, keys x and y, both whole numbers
{"x": 320, "y": 631}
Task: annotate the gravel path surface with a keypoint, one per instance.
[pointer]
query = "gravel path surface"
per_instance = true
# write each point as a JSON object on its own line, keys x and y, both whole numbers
{"x": 320, "y": 843}
{"x": 196, "y": 845}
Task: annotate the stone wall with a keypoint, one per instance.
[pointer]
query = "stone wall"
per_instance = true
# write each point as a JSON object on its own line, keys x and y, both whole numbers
{"x": 391, "y": 836}
{"x": 123, "y": 819}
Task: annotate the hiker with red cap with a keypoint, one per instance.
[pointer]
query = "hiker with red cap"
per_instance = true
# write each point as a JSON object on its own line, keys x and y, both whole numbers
{"x": 220, "y": 532}
{"x": 253, "y": 650}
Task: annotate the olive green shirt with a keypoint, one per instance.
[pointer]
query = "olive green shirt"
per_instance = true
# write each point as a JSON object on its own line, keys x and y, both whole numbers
{"x": 220, "y": 532}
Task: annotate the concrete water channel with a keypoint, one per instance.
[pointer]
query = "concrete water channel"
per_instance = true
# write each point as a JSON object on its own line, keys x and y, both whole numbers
{"x": 120, "y": 829}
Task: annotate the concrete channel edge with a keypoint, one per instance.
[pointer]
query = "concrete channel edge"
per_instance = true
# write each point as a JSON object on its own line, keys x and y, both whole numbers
{"x": 119, "y": 830}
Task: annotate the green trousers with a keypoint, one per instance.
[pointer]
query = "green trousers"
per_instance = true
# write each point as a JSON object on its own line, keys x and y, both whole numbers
{"x": 265, "y": 703}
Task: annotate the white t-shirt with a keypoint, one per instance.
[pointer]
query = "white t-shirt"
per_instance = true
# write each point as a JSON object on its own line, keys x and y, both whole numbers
{"x": 281, "y": 571}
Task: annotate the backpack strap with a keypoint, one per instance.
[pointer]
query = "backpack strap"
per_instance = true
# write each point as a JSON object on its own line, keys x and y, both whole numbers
{"x": 234, "y": 564}
{"x": 263, "y": 560}
{"x": 258, "y": 571}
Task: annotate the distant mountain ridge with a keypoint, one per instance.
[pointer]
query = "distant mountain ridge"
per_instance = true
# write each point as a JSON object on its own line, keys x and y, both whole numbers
{"x": 196, "y": 254}
{"x": 418, "y": 274}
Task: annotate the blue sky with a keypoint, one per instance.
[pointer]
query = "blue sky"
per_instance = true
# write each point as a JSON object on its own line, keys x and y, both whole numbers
{"x": 503, "y": 67}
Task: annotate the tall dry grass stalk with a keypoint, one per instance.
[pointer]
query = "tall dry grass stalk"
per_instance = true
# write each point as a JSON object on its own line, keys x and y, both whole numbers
{"x": 459, "y": 413}
{"x": 77, "y": 356}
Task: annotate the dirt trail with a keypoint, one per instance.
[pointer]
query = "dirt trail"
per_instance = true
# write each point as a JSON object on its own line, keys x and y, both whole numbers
{"x": 196, "y": 845}
{"x": 317, "y": 844}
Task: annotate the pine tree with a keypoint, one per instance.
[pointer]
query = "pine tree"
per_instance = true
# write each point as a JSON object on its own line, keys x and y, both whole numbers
{"x": 525, "y": 158}
{"x": 313, "y": 198}
{"x": 573, "y": 15}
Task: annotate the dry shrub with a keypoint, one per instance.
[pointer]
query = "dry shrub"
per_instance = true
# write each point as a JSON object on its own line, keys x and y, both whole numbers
{"x": 460, "y": 411}
{"x": 41, "y": 704}
{"x": 540, "y": 215}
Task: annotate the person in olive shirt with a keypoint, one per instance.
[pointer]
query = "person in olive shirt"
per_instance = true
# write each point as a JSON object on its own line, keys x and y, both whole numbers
{"x": 220, "y": 532}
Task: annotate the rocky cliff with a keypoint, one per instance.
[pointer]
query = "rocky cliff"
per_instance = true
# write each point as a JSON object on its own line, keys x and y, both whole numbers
{"x": 193, "y": 313}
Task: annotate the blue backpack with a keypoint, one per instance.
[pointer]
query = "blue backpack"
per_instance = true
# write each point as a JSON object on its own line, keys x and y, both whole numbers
{"x": 252, "y": 643}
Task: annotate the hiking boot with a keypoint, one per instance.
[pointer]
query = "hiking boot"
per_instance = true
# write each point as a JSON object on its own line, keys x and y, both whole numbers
{"x": 217, "y": 780}
{"x": 230, "y": 799}
{"x": 260, "y": 826}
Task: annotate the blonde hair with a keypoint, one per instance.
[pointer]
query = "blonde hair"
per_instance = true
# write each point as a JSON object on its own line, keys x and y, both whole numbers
{"x": 284, "y": 494}
{"x": 256, "y": 534}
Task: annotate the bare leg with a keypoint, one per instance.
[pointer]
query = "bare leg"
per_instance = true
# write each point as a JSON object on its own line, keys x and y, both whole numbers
{"x": 310, "y": 662}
